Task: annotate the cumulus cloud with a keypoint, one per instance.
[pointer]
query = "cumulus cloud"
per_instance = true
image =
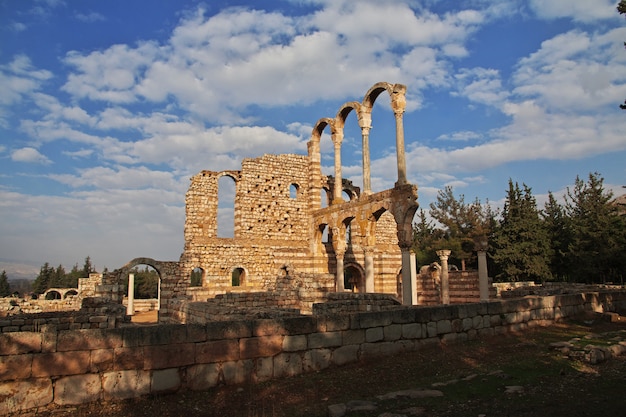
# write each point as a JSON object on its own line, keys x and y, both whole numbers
{"x": 30, "y": 155}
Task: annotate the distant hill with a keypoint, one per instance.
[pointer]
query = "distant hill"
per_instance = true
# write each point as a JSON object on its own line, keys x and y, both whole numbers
{"x": 19, "y": 271}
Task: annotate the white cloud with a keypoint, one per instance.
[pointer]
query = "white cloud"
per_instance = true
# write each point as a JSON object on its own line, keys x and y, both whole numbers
{"x": 578, "y": 10}
{"x": 575, "y": 71}
{"x": 90, "y": 17}
{"x": 481, "y": 85}
{"x": 30, "y": 155}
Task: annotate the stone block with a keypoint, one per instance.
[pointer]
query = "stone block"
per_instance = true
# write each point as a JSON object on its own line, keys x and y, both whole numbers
{"x": 299, "y": 325}
{"x": 217, "y": 351}
{"x": 195, "y": 333}
{"x": 392, "y": 332}
{"x": 287, "y": 364}
{"x": 264, "y": 369}
{"x": 295, "y": 343}
{"x": 258, "y": 347}
{"x": 120, "y": 385}
{"x": 88, "y": 339}
{"x": 237, "y": 372}
{"x": 411, "y": 331}
{"x": 77, "y": 389}
{"x": 375, "y": 319}
{"x": 165, "y": 381}
{"x": 316, "y": 359}
{"x": 345, "y": 354}
{"x": 374, "y": 334}
{"x": 15, "y": 366}
{"x": 268, "y": 327}
{"x": 353, "y": 337}
{"x": 336, "y": 322}
{"x": 444, "y": 326}
{"x": 16, "y": 343}
{"x": 25, "y": 395}
{"x": 61, "y": 363}
{"x": 169, "y": 356}
{"x": 203, "y": 376}
{"x": 228, "y": 330}
{"x": 102, "y": 360}
{"x": 324, "y": 340}
{"x": 125, "y": 358}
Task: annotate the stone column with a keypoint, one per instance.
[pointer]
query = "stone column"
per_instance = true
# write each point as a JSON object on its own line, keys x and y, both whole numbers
{"x": 369, "y": 269}
{"x": 365, "y": 122}
{"x": 130, "y": 308}
{"x": 337, "y": 138}
{"x": 413, "y": 278}
{"x": 398, "y": 104}
{"x": 483, "y": 276}
{"x": 445, "y": 284}
{"x": 408, "y": 278}
{"x": 339, "y": 278}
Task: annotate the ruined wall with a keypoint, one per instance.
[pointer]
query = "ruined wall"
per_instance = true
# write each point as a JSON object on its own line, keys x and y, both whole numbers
{"x": 72, "y": 367}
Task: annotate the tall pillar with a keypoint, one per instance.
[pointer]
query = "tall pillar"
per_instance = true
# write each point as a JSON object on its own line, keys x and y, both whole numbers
{"x": 130, "y": 308}
{"x": 483, "y": 276}
{"x": 339, "y": 278}
{"x": 365, "y": 122}
{"x": 445, "y": 283}
{"x": 398, "y": 104}
{"x": 369, "y": 269}
{"x": 413, "y": 278}
{"x": 407, "y": 279}
{"x": 337, "y": 138}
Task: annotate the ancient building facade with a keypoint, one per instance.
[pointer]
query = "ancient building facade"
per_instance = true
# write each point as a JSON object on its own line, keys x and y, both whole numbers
{"x": 289, "y": 217}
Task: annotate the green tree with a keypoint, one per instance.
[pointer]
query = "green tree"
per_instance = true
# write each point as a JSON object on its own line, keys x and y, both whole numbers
{"x": 521, "y": 247}
{"x": 44, "y": 279}
{"x": 146, "y": 282}
{"x": 463, "y": 224}
{"x": 425, "y": 238}
{"x": 596, "y": 251}
{"x": 5, "y": 288}
{"x": 88, "y": 268}
{"x": 557, "y": 226}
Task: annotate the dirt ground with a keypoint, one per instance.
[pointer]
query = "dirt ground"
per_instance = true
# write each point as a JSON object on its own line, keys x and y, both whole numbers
{"x": 472, "y": 376}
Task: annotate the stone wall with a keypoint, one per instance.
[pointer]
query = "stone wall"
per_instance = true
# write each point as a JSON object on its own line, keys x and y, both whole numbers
{"x": 72, "y": 367}
{"x": 93, "y": 314}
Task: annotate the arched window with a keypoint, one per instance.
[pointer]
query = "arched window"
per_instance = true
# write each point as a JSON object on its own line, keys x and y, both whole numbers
{"x": 226, "y": 207}
{"x": 293, "y": 191}
{"x": 196, "y": 277}
{"x": 238, "y": 277}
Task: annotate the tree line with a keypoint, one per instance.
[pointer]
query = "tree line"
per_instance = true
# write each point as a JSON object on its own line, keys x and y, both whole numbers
{"x": 579, "y": 240}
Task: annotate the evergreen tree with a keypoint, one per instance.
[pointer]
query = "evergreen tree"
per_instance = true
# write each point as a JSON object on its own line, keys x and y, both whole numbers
{"x": 521, "y": 247}
{"x": 557, "y": 227}
{"x": 44, "y": 279}
{"x": 425, "y": 238}
{"x": 596, "y": 251}
{"x": 5, "y": 289}
{"x": 88, "y": 268}
{"x": 463, "y": 224}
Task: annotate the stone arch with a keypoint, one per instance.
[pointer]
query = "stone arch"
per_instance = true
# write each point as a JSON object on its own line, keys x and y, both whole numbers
{"x": 347, "y": 230}
{"x": 397, "y": 95}
{"x": 70, "y": 293}
{"x": 53, "y": 294}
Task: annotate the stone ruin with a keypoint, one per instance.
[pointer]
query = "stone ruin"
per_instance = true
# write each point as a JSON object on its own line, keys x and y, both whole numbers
{"x": 299, "y": 235}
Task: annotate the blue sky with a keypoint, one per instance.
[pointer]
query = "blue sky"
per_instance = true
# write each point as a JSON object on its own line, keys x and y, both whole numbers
{"x": 107, "y": 108}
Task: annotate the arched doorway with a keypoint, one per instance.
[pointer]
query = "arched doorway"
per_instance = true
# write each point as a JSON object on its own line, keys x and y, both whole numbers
{"x": 353, "y": 279}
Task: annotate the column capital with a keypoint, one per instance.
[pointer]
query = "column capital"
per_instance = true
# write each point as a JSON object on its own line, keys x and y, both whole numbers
{"x": 444, "y": 254}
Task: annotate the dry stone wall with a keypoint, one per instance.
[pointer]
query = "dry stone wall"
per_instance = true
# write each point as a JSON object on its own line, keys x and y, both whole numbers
{"x": 72, "y": 367}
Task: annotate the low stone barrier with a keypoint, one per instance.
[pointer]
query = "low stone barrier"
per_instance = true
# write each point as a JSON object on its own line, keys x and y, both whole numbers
{"x": 72, "y": 367}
